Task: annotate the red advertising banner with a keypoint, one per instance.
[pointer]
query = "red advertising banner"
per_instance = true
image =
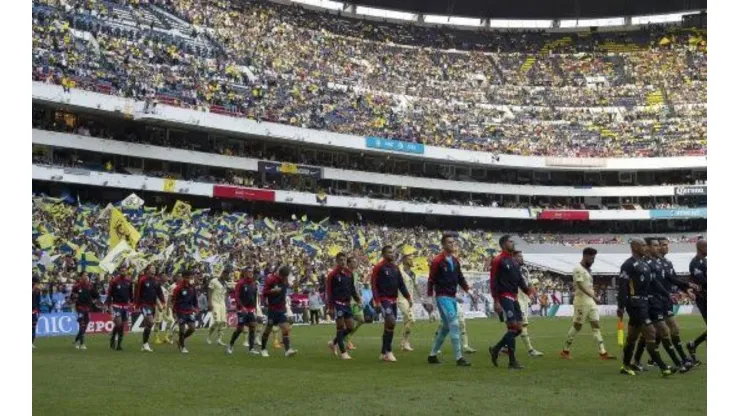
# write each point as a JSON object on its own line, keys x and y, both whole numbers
{"x": 238, "y": 192}
{"x": 101, "y": 323}
{"x": 563, "y": 215}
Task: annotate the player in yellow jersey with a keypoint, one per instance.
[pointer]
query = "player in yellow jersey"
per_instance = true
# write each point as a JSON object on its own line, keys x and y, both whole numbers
{"x": 409, "y": 279}
{"x": 217, "y": 290}
{"x": 163, "y": 312}
{"x": 169, "y": 337}
{"x": 523, "y": 299}
{"x": 584, "y": 305}
{"x": 357, "y": 313}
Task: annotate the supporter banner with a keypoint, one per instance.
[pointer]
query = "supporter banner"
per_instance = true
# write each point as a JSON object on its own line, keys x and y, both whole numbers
{"x": 272, "y": 168}
{"x": 678, "y": 213}
{"x": 393, "y": 145}
{"x": 691, "y": 190}
{"x": 238, "y": 192}
{"x": 563, "y": 215}
{"x": 581, "y": 162}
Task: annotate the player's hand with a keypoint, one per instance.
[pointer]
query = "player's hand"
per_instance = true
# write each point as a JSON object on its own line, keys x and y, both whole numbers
{"x": 620, "y": 313}
{"x": 428, "y": 307}
{"x": 497, "y": 307}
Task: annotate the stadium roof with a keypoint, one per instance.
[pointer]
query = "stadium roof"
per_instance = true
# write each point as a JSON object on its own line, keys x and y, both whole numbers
{"x": 538, "y": 9}
{"x": 606, "y": 264}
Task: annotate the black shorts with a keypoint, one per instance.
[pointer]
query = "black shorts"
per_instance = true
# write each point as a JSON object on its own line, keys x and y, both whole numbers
{"x": 389, "y": 309}
{"x": 147, "y": 310}
{"x": 120, "y": 312}
{"x": 512, "y": 310}
{"x": 656, "y": 310}
{"x": 185, "y": 318}
{"x": 276, "y": 317}
{"x": 639, "y": 313}
{"x": 83, "y": 316}
{"x": 701, "y": 303}
{"x": 342, "y": 311}
{"x": 245, "y": 318}
{"x": 668, "y": 309}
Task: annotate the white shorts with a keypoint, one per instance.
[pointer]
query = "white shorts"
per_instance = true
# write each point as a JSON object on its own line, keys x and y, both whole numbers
{"x": 583, "y": 313}
{"x": 406, "y": 312}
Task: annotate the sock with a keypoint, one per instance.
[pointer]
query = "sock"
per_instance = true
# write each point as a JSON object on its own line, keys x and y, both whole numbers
{"x": 640, "y": 350}
{"x": 456, "y": 339}
{"x": 629, "y": 348}
{"x": 525, "y": 339}
{"x": 671, "y": 352}
{"x": 700, "y": 339}
{"x": 113, "y": 334}
{"x": 339, "y": 340}
{"x": 251, "y": 338}
{"x": 652, "y": 349}
{"x": 211, "y": 330}
{"x": 83, "y": 331}
{"x": 120, "y": 336}
{"x": 181, "y": 336}
{"x": 387, "y": 341}
{"x": 599, "y": 340}
{"x": 265, "y": 338}
{"x": 676, "y": 340}
{"x": 511, "y": 344}
{"x": 147, "y": 332}
{"x": 79, "y": 334}
{"x": 569, "y": 339}
{"x": 439, "y": 338}
{"x": 286, "y": 342}
{"x": 407, "y": 331}
{"x": 235, "y": 336}
{"x": 463, "y": 334}
{"x": 220, "y": 332}
{"x": 348, "y": 338}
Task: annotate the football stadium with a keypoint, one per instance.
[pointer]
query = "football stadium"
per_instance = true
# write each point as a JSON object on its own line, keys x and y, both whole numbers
{"x": 377, "y": 207}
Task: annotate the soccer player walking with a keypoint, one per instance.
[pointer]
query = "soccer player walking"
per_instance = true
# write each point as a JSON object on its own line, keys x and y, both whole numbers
{"x": 340, "y": 290}
{"x": 276, "y": 293}
{"x": 698, "y": 276}
{"x": 635, "y": 286}
{"x": 357, "y": 313}
{"x": 163, "y": 313}
{"x": 445, "y": 274}
{"x": 407, "y": 313}
{"x": 185, "y": 306}
{"x": 523, "y": 299}
{"x": 506, "y": 280}
{"x": 217, "y": 289}
{"x": 585, "y": 305}
{"x": 246, "y": 304}
{"x": 119, "y": 296}
{"x": 386, "y": 282}
{"x": 83, "y": 296}
{"x": 148, "y": 294}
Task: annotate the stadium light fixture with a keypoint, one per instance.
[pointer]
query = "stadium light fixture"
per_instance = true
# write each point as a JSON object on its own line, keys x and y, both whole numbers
{"x": 324, "y": 4}
{"x": 384, "y": 13}
{"x": 453, "y": 20}
{"x": 520, "y": 24}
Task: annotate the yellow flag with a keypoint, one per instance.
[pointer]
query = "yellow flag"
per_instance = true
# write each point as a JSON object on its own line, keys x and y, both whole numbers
{"x": 121, "y": 229}
{"x": 169, "y": 185}
{"x": 45, "y": 241}
{"x": 620, "y": 333}
{"x": 181, "y": 210}
{"x": 334, "y": 250}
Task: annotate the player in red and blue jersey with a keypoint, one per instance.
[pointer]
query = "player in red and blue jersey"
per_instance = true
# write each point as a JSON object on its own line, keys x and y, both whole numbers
{"x": 119, "y": 297}
{"x": 185, "y": 306}
{"x": 245, "y": 294}
{"x": 340, "y": 290}
{"x": 148, "y": 293}
{"x": 35, "y": 308}
{"x": 84, "y": 296}
{"x": 386, "y": 282}
{"x": 506, "y": 280}
{"x": 275, "y": 293}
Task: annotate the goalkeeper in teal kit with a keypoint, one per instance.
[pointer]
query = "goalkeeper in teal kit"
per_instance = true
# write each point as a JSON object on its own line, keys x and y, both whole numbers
{"x": 445, "y": 275}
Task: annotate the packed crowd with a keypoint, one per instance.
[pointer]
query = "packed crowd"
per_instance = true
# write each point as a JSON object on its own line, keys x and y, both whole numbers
{"x": 288, "y": 65}
{"x": 585, "y": 240}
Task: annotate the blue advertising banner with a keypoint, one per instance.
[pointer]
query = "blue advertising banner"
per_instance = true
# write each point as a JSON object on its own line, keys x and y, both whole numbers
{"x": 393, "y": 145}
{"x": 55, "y": 324}
{"x": 678, "y": 213}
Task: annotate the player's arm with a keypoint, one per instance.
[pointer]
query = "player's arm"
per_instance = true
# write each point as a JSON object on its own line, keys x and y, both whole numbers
{"x": 73, "y": 295}
{"x": 699, "y": 275}
{"x": 131, "y": 290}
{"x": 430, "y": 280}
{"x": 494, "y": 271}
{"x": 623, "y": 293}
{"x": 237, "y": 298}
{"x": 329, "y": 291}
{"x": 160, "y": 294}
{"x": 211, "y": 285}
{"x": 374, "y": 286}
{"x": 108, "y": 297}
{"x": 173, "y": 298}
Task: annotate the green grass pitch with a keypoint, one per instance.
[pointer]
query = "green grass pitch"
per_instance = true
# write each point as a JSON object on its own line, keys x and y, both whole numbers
{"x": 208, "y": 382}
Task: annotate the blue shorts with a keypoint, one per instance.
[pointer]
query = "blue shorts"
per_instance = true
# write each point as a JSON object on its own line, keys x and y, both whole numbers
{"x": 120, "y": 312}
{"x": 342, "y": 311}
{"x": 512, "y": 310}
{"x": 185, "y": 318}
{"x": 447, "y": 309}
{"x": 245, "y": 318}
{"x": 390, "y": 309}
{"x": 146, "y": 311}
{"x": 83, "y": 316}
{"x": 276, "y": 317}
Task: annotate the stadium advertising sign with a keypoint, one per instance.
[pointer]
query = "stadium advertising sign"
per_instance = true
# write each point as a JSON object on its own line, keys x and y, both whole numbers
{"x": 564, "y": 215}
{"x": 678, "y": 213}
{"x": 272, "y": 168}
{"x": 56, "y": 324}
{"x": 238, "y": 192}
{"x": 393, "y": 145}
{"x": 693, "y": 190}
